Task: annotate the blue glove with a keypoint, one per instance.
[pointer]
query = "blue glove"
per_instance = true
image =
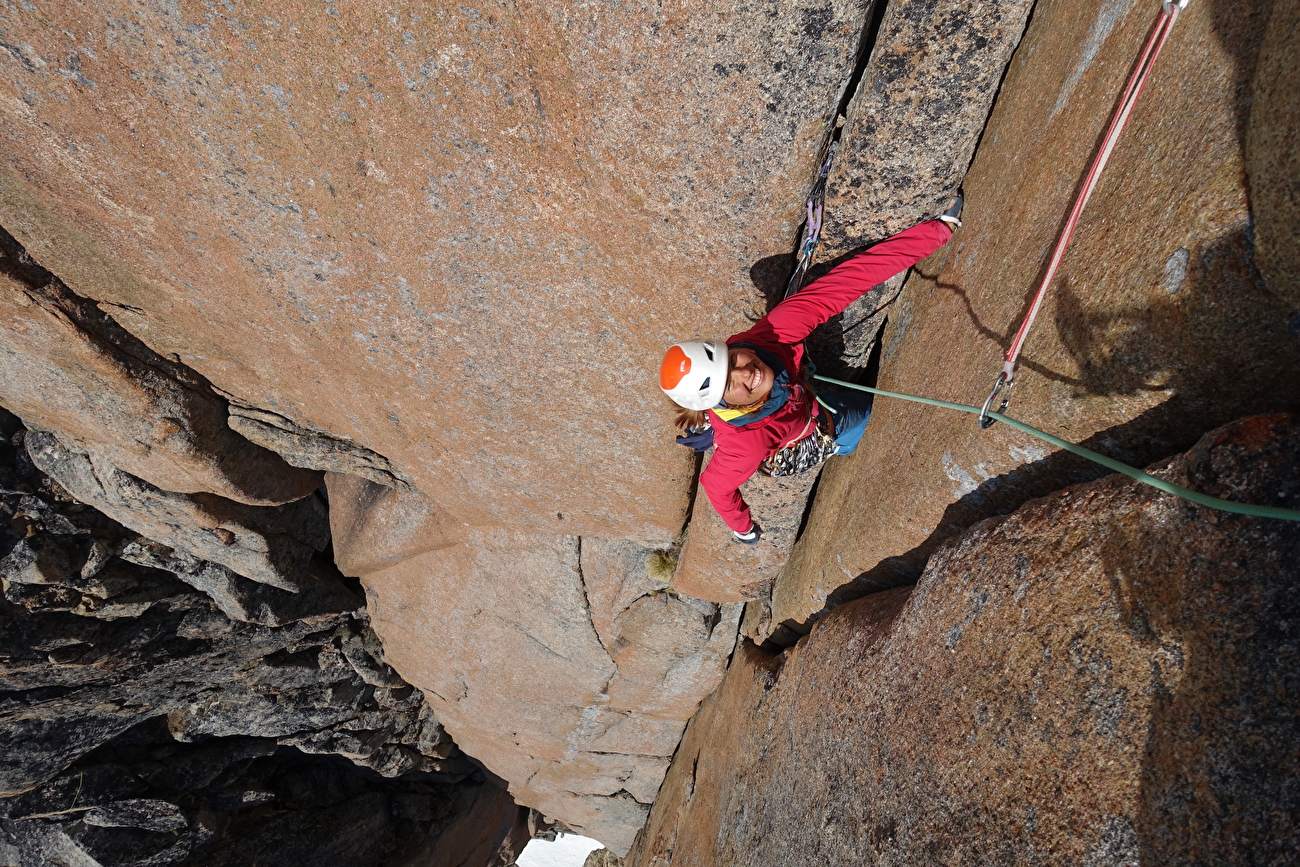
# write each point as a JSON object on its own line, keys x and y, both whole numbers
{"x": 700, "y": 440}
{"x": 751, "y": 537}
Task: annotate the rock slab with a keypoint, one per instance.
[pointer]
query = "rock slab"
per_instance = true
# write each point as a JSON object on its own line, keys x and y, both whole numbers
{"x": 69, "y": 366}
{"x": 913, "y": 124}
{"x": 1104, "y": 677}
{"x": 426, "y": 230}
{"x": 564, "y": 664}
{"x": 1158, "y": 328}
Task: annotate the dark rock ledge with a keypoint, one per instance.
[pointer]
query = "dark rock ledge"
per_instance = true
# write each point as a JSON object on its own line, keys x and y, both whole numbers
{"x": 147, "y": 721}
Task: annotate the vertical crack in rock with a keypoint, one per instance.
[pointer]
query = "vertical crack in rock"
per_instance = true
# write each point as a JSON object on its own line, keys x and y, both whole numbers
{"x": 593, "y": 720}
{"x": 912, "y": 126}
{"x": 866, "y": 44}
{"x": 605, "y": 640}
{"x": 922, "y": 92}
{"x": 1121, "y": 364}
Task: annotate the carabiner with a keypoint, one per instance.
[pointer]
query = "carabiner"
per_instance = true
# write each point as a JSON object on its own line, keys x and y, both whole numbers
{"x": 1002, "y": 381}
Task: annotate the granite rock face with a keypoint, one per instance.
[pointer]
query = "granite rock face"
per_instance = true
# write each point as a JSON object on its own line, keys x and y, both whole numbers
{"x": 270, "y": 545}
{"x": 603, "y": 858}
{"x": 565, "y": 665}
{"x": 427, "y": 230}
{"x": 1103, "y": 677}
{"x": 910, "y": 131}
{"x": 1158, "y": 327}
{"x": 411, "y": 248}
{"x": 1273, "y": 155}
{"x": 373, "y": 525}
{"x": 68, "y": 366}
{"x": 143, "y": 724}
{"x": 242, "y": 599}
{"x": 311, "y": 449}
{"x": 716, "y": 567}
{"x": 434, "y": 254}
{"x": 918, "y": 112}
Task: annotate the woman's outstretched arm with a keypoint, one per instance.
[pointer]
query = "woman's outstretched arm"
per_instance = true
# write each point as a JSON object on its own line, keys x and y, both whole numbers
{"x": 793, "y": 319}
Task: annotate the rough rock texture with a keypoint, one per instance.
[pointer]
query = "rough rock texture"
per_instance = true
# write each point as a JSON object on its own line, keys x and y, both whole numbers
{"x": 1273, "y": 155}
{"x": 716, "y": 567}
{"x": 87, "y": 659}
{"x": 316, "y": 450}
{"x": 241, "y": 599}
{"x": 68, "y": 366}
{"x": 436, "y": 253}
{"x": 374, "y": 526}
{"x": 563, "y": 664}
{"x": 428, "y": 230}
{"x": 912, "y": 127}
{"x": 231, "y": 802}
{"x": 271, "y": 545}
{"x": 1105, "y": 677}
{"x": 145, "y": 726}
{"x": 1158, "y": 327}
{"x": 917, "y": 115}
{"x": 603, "y": 858}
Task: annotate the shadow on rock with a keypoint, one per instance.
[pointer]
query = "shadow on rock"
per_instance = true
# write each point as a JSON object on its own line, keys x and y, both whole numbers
{"x": 1211, "y": 373}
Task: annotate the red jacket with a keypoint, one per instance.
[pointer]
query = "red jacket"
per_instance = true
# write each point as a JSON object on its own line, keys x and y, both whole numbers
{"x": 741, "y": 449}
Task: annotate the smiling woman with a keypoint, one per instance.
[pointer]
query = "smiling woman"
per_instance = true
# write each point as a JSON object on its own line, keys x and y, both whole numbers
{"x": 750, "y": 380}
{"x": 749, "y": 395}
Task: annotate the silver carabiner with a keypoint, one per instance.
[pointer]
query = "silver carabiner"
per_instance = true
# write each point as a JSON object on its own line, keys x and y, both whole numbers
{"x": 986, "y": 421}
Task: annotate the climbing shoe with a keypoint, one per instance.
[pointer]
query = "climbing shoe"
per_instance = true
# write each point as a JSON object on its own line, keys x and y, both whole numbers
{"x": 953, "y": 213}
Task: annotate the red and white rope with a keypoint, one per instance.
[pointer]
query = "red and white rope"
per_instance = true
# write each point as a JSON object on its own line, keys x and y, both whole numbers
{"x": 1137, "y": 79}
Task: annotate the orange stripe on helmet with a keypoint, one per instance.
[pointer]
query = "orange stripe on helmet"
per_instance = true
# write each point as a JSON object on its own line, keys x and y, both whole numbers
{"x": 675, "y": 365}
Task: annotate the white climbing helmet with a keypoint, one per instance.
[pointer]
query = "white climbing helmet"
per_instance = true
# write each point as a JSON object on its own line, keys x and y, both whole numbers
{"x": 694, "y": 373}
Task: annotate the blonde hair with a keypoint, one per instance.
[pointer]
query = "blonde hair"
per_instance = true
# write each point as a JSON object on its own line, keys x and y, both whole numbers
{"x": 685, "y": 419}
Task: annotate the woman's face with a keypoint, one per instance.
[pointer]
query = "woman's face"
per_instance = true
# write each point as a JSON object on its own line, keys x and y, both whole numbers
{"x": 749, "y": 380}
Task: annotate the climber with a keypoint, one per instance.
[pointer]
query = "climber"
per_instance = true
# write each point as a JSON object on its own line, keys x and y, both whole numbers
{"x": 748, "y": 395}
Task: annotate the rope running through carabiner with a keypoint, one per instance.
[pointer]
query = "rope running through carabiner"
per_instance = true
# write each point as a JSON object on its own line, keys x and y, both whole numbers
{"x": 1137, "y": 79}
{"x": 1109, "y": 463}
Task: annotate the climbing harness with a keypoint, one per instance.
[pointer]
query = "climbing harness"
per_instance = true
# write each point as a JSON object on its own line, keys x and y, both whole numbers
{"x": 814, "y": 207}
{"x": 802, "y": 455}
{"x": 1006, "y": 378}
{"x": 1109, "y": 463}
{"x": 1137, "y": 79}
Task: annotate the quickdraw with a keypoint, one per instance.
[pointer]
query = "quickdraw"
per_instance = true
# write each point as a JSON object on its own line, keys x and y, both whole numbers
{"x": 1137, "y": 79}
{"x": 814, "y": 207}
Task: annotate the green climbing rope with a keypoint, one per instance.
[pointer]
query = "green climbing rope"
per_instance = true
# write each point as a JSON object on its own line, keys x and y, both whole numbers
{"x": 1109, "y": 463}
